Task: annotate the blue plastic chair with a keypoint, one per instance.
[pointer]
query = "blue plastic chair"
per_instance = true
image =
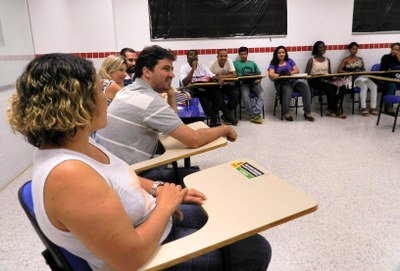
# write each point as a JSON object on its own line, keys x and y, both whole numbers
{"x": 56, "y": 257}
{"x": 295, "y": 97}
{"x": 391, "y": 99}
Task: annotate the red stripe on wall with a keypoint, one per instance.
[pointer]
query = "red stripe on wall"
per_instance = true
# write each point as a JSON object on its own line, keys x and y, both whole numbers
{"x": 256, "y": 50}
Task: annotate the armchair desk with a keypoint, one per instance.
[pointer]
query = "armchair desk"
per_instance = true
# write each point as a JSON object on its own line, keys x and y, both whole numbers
{"x": 240, "y": 179}
{"x": 175, "y": 150}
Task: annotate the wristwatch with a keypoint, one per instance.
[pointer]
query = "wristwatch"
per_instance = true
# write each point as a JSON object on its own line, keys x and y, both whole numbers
{"x": 153, "y": 189}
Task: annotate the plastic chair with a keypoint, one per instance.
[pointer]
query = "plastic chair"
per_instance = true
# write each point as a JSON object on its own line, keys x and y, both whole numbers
{"x": 318, "y": 93}
{"x": 56, "y": 257}
{"x": 357, "y": 90}
{"x": 278, "y": 98}
{"x": 392, "y": 99}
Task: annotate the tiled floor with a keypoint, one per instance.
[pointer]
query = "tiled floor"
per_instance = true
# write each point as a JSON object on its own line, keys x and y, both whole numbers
{"x": 350, "y": 166}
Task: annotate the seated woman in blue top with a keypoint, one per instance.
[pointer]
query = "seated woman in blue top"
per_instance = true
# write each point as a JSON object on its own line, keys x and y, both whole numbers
{"x": 282, "y": 65}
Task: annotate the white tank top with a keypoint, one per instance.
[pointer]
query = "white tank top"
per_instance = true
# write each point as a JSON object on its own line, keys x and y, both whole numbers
{"x": 137, "y": 203}
{"x": 320, "y": 67}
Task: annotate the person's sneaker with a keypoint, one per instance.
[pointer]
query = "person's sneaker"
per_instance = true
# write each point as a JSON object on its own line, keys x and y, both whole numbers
{"x": 364, "y": 112}
{"x": 225, "y": 120}
{"x": 257, "y": 119}
{"x": 229, "y": 119}
{"x": 373, "y": 111}
{"x": 215, "y": 123}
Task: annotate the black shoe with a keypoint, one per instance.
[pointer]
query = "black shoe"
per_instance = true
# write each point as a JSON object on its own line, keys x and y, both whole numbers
{"x": 215, "y": 123}
{"x": 225, "y": 120}
{"x": 309, "y": 118}
{"x": 229, "y": 119}
{"x": 288, "y": 118}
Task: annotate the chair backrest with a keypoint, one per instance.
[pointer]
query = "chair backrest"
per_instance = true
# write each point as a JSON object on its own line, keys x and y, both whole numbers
{"x": 57, "y": 257}
{"x": 376, "y": 67}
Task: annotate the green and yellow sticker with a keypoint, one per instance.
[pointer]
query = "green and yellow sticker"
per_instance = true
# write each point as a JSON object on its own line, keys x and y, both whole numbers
{"x": 247, "y": 169}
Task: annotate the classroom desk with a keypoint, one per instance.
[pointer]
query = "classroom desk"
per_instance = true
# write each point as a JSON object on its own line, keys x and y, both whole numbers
{"x": 175, "y": 150}
{"x": 239, "y": 205}
{"x": 386, "y": 79}
{"x": 255, "y": 77}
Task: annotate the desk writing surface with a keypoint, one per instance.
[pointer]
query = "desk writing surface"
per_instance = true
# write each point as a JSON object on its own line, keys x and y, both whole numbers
{"x": 387, "y": 79}
{"x": 237, "y": 206}
{"x": 294, "y": 76}
{"x": 176, "y": 150}
{"x": 244, "y": 77}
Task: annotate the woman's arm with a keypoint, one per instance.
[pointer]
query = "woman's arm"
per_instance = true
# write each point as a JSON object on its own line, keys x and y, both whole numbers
{"x": 342, "y": 65}
{"x": 112, "y": 90}
{"x": 272, "y": 74}
{"x": 78, "y": 200}
{"x": 309, "y": 66}
{"x": 295, "y": 70}
{"x": 329, "y": 66}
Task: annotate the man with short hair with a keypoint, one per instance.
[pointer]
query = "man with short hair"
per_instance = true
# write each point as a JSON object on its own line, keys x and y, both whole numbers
{"x": 138, "y": 113}
{"x": 210, "y": 97}
{"x": 247, "y": 67}
{"x": 223, "y": 68}
{"x": 130, "y": 56}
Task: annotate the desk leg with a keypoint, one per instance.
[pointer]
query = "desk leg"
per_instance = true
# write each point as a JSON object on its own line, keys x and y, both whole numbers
{"x": 187, "y": 162}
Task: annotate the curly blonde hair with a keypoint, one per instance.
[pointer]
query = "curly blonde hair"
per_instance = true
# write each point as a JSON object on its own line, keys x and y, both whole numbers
{"x": 111, "y": 64}
{"x": 56, "y": 94}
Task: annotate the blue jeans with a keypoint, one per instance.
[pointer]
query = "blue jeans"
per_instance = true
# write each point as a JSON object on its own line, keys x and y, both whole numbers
{"x": 287, "y": 89}
{"x": 245, "y": 89}
{"x": 252, "y": 253}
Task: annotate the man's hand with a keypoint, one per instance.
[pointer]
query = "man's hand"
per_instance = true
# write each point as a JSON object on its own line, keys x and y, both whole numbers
{"x": 231, "y": 135}
{"x": 194, "y": 64}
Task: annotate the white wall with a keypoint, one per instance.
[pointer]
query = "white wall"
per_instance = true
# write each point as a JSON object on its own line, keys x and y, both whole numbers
{"x": 15, "y": 153}
{"x": 75, "y": 26}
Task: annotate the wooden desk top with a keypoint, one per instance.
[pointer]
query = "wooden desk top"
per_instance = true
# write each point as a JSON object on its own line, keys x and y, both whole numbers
{"x": 294, "y": 76}
{"x": 238, "y": 205}
{"x": 259, "y": 76}
{"x": 341, "y": 74}
{"x": 382, "y": 78}
{"x": 175, "y": 150}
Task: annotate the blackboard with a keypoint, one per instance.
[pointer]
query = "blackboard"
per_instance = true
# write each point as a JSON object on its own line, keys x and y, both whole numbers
{"x": 376, "y": 16}
{"x": 183, "y": 19}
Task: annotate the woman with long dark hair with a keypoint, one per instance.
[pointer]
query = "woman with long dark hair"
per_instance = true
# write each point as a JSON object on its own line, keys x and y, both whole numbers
{"x": 280, "y": 65}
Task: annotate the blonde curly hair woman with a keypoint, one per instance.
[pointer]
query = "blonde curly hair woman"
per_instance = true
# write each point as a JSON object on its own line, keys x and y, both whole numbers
{"x": 112, "y": 74}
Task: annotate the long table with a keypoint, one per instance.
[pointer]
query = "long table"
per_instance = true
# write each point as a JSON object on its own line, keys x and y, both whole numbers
{"x": 243, "y": 199}
{"x": 176, "y": 150}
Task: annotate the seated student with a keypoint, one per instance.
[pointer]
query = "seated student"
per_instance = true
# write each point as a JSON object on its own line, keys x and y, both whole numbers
{"x": 138, "y": 113}
{"x": 390, "y": 62}
{"x": 130, "y": 56}
{"x": 112, "y": 74}
{"x": 249, "y": 67}
{"x": 281, "y": 64}
{"x": 223, "y": 67}
{"x": 86, "y": 199}
{"x": 353, "y": 63}
{"x": 210, "y": 97}
{"x": 318, "y": 65}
